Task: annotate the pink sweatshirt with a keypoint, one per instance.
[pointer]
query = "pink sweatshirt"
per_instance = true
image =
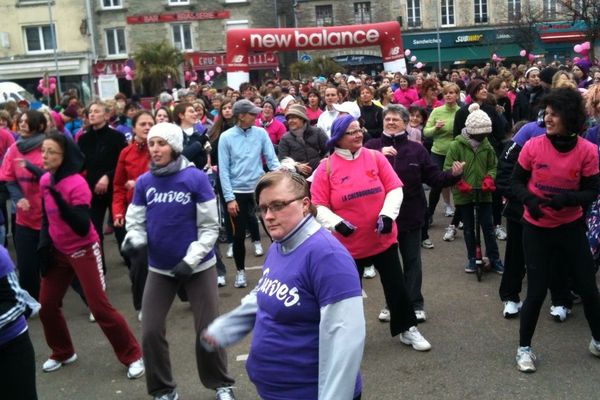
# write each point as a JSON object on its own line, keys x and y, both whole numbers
{"x": 75, "y": 191}
{"x": 12, "y": 171}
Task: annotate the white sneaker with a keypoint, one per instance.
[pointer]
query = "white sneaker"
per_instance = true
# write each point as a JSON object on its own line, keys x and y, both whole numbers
{"x": 525, "y": 359}
{"x": 511, "y": 309}
{"x": 384, "y": 315}
{"x": 229, "y": 252}
{"x": 420, "y": 315}
{"x": 449, "y": 234}
{"x": 225, "y": 393}
{"x": 52, "y": 365}
{"x": 500, "y": 232}
{"x": 91, "y": 318}
{"x": 448, "y": 210}
{"x": 258, "y": 250}
{"x": 461, "y": 226}
{"x": 427, "y": 244}
{"x": 240, "y": 279}
{"x": 369, "y": 272}
{"x": 136, "y": 369}
{"x": 139, "y": 316}
{"x": 413, "y": 337}
{"x": 559, "y": 313}
{"x": 221, "y": 281}
{"x": 595, "y": 347}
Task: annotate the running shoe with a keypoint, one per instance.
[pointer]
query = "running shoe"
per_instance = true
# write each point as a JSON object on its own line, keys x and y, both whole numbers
{"x": 384, "y": 315}
{"x": 500, "y": 232}
{"x": 559, "y": 313}
{"x": 450, "y": 233}
{"x": 369, "y": 272}
{"x": 240, "y": 279}
{"x": 427, "y": 244}
{"x": 52, "y": 365}
{"x": 511, "y": 309}
{"x": 525, "y": 359}
{"x": 412, "y": 337}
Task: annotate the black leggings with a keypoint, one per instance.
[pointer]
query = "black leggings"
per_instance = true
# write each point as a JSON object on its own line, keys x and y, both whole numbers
{"x": 387, "y": 263}
{"x": 541, "y": 247}
{"x": 247, "y": 210}
{"x": 17, "y": 368}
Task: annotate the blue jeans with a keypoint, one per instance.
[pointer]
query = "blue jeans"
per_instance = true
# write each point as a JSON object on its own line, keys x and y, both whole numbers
{"x": 487, "y": 229}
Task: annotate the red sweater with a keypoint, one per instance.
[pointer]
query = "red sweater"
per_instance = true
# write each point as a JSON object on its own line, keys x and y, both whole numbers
{"x": 133, "y": 162}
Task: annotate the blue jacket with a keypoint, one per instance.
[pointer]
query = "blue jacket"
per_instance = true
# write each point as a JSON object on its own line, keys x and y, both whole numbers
{"x": 240, "y": 164}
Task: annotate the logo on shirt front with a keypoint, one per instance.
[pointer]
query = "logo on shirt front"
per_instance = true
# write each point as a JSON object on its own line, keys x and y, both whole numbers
{"x": 279, "y": 290}
{"x": 154, "y": 196}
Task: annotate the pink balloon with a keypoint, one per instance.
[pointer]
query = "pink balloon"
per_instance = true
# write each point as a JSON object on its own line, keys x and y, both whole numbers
{"x": 586, "y": 45}
{"x": 41, "y": 82}
{"x": 576, "y": 59}
{"x": 207, "y": 78}
{"x": 523, "y": 53}
{"x": 40, "y": 88}
{"x": 127, "y": 69}
{"x": 52, "y": 87}
{"x": 219, "y": 70}
{"x": 577, "y": 48}
{"x": 187, "y": 75}
{"x": 129, "y": 77}
{"x": 46, "y": 92}
{"x": 52, "y": 80}
{"x": 419, "y": 65}
{"x": 407, "y": 52}
{"x": 531, "y": 57}
{"x": 413, "y": 59}
{"x": 211, "y": 73}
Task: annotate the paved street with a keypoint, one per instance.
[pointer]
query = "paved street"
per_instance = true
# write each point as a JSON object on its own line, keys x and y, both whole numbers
{"x": 472, "y": 356}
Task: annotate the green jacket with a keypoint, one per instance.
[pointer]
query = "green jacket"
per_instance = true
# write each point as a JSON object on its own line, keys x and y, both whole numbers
{"x": 478, "y": 164}
{"x": 444, "y": 136}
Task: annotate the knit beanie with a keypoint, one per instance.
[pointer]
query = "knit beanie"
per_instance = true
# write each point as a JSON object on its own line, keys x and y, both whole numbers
{"x": 547, "y": 74}
{"x": 283, "y": 103}
{"x": 338, "y": 129}
{"x": 269, "y": 100}
{"x": 584, "y": 65}
{"x": 478, "y": 122}
{"x": 170, "y": 133}
{"x": 297, "y": 110}
{"x": 474, "y": 87}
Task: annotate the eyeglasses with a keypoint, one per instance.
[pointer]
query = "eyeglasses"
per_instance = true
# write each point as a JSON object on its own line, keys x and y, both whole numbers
{"x": 50, "y": 152}
{"x": 277, "y": 206}
{"x": 354, "y": 132}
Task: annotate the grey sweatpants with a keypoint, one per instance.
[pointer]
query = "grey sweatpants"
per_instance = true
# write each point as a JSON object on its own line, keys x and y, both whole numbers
{"x": 159, "y": 293}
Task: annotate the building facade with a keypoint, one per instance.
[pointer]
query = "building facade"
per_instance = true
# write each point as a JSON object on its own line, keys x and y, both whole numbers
{"x": 30, "y": 29}
{"x": 196, "y": 27}
{"x": 466, "y": 32}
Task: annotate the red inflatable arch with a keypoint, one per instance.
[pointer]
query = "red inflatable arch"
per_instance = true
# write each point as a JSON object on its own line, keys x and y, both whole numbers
{"x": 242, "y": 41}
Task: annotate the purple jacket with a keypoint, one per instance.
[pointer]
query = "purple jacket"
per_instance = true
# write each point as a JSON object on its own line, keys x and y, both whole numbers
{"x": 414, "y": 167}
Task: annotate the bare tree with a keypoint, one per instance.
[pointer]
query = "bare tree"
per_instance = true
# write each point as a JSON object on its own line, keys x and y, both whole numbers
{"x": 525, "y": 19}
{"x": 586, "y": 11}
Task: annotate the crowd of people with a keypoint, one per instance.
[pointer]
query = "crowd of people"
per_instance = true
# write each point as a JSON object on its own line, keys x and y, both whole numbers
{"x": 337, "y": 170}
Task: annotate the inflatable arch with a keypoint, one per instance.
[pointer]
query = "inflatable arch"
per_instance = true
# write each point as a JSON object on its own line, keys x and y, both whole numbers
{"x": 241, "y": 41}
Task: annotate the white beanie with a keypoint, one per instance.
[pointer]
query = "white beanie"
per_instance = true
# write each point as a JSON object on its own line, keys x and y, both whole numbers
{"x": 171, "y": 133}
{"x": 478, "y": 122}
{"x": 283, "y": 103}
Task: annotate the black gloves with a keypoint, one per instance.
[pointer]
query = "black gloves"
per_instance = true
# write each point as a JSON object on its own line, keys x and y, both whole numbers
{"x": 384, "y": 224}
{"x": 182, "y": 271}
{"x": 345, "y": 228}
{"x": 562, "y": 200}
{"x": 533, "y": 204}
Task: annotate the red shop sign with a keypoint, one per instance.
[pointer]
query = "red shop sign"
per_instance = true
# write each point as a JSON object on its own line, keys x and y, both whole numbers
{"x": 208, "y": 61}
{"x": 177, "y": 17}
{"x": 109, "y": 67}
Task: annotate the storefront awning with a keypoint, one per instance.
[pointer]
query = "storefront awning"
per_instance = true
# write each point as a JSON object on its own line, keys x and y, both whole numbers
{"x": 556, "y": 37}
{"x": 470, "y": 53}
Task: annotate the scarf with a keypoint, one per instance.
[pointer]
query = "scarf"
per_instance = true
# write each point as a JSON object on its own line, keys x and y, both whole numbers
{"x": 563, "y": 143}
{"x": 472, "y": 142}
{"x": 169, "y": 169}
{"x": 25, "y": 145}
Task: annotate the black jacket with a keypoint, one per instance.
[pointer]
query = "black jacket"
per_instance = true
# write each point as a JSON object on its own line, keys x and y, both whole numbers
{"x": 309, "y": 149}
{"x": 101, "y": 149}
{"x": 527, "y": 104}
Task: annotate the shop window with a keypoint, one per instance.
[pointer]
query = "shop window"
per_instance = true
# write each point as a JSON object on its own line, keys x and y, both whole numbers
{"x": 115, "y": 42}
{"x": 179, "y": 2}
{"x": 110, "y": 4}
{"x": 514, "y": 10}
{"x": 413, "y": 13}
{"x": 481, "y": 11}
{"x": 38, "y": 39}
{"x": 324, "y": 15}
{"x": 362, "y": 12}
{"x": 549, "y": 9}
{"x": 447, "y": 13}
{"x": 182, "y": 37}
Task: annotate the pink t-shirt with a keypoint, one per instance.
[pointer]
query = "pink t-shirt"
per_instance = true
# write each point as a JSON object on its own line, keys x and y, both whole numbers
{"x": 12, "y": 171}
{"x": 355, "y": 190}
{"x": 75, "y": 191}
{"x": 553, "y": 172}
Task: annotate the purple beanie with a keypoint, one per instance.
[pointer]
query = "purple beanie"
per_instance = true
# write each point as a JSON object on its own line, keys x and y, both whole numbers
{"x": 584, "y": 65}
{"x": 338, "y": 129}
